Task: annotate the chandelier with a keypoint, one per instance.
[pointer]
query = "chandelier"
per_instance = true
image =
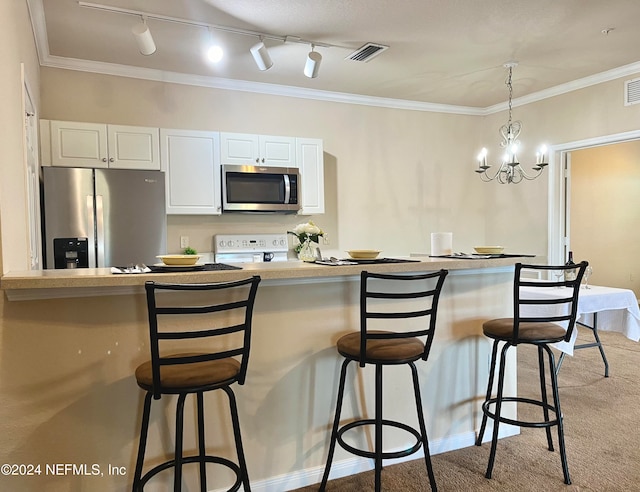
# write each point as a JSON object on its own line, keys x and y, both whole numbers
{"x": 510, "y": 171}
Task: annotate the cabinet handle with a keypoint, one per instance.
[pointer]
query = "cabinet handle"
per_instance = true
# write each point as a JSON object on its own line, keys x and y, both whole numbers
{"x": 111, "y": 159}
{"x": 263, "y": 160}
{"x": 104, "y": 159}
{"x": 257, "y": 160}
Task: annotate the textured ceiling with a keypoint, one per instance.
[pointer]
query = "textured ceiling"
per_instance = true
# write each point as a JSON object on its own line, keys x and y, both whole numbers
{"x": 447, "y": 52}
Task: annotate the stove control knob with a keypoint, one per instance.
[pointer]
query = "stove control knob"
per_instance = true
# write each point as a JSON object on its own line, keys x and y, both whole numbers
{"x": 222, "y": 244}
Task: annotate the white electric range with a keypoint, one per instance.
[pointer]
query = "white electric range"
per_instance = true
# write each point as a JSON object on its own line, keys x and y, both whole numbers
{"x": 250, "y": 248}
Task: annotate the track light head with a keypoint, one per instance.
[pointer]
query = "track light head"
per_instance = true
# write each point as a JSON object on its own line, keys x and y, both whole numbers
{"x": 261, "y": 56}
{"x": 312, "y": 66}
{"x": 146, "y": 44}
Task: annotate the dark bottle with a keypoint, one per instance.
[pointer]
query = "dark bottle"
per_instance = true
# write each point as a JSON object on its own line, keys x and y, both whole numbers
{"x": 570, "y": 274}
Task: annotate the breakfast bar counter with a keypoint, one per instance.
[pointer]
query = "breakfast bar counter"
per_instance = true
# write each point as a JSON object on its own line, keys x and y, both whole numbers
{"x": 71, "y": 340}
{"x": 20, "y": 285}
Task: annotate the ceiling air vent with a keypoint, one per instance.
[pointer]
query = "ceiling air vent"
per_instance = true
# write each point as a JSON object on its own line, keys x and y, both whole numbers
{"x": 632, "y": 92}
{"x": 367, "y": 52}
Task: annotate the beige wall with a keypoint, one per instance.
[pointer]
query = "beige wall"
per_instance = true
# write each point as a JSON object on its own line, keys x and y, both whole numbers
{"x": 16, "y": 47}
{"x": 605, "y": 213}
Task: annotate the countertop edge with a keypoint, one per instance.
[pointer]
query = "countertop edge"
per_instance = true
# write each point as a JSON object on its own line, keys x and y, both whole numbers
{"x": 83, "y": 281}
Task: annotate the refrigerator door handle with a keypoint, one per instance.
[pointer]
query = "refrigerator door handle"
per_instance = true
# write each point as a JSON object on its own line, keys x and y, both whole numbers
{"x": 100, "y": 231}
{"x": 91, "y": 232}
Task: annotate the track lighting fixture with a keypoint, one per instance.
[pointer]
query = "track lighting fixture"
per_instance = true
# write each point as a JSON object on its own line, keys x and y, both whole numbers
{"x": 261, "y": 56}
{"x": 312, "y": 66}
{"x": 259, "y": 51}
{"x": 141, "y": 32}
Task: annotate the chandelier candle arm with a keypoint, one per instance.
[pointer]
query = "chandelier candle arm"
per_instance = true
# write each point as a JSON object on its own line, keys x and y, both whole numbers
{"x": 510, "y": 170}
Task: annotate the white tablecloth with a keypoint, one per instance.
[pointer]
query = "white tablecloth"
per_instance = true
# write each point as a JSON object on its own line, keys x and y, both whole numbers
{"x": 617, "y": 310}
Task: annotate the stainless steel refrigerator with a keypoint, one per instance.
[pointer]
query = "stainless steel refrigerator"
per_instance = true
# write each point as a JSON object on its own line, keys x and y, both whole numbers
{"x": 102, "y": 217}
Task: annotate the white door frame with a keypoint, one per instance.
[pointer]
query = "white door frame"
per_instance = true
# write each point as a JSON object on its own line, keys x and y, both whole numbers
{"x": 559, "y": 194}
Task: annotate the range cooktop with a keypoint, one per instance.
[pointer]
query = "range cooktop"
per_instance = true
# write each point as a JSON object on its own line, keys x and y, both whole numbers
{"x": 206, "y": 267}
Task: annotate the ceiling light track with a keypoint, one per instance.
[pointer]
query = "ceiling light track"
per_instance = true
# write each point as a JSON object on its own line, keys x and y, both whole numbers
{"x": 217, "y": 27}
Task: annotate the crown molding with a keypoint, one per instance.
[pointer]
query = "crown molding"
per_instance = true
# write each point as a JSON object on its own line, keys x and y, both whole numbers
{"x": 574, "y": 85}
{"x": 246, "y": 86}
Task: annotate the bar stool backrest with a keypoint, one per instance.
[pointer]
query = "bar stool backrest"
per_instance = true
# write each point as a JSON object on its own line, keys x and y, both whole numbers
{"x": 558, "y": 306}
{"x": 378, "y": 296}
{"x": 200, "y": 322}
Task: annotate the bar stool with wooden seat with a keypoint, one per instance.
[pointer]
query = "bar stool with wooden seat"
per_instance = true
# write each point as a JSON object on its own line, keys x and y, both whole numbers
{"x": 407, "y": 337}
{"x": 185, "y": 320}
{"x": 553, "y": 322}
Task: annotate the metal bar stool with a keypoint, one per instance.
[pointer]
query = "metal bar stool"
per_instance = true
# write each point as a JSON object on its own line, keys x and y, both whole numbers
{"x": 539, "y": 330}
{"x": 380, "y": 296}
{"x": 202, "y": 315}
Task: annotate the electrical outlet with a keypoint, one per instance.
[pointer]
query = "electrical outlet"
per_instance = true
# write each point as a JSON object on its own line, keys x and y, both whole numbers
{"x": 325, "y": 240}
{"x": 184, "y": 241}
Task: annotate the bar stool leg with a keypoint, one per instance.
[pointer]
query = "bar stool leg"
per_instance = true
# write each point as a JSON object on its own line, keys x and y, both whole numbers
{"x": 543, "y": 393}
{"x": 177, "y": 477}
{"x": 201, "y": 444}
{"x": 496, "y": 423}
{"x": 423, "y": 427}
{"x": 378, "y": 429}
{"x": 238, "y": 438}
{"x": 492, "y": 369}
{"x": 144, "y": 431}
{"x": 336, "y": 422}
{"x": 556, "y": 403}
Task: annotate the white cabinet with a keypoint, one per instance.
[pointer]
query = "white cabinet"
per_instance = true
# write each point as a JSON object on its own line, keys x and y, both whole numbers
{"x": 191, "y": 162}
{"x": 309, "y": 157}
{"x": 264, "y": 150}
{"x": 74, "y": 144}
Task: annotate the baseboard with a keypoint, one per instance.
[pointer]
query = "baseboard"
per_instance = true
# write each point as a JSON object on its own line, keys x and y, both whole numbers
{"x": 352, "y": 466}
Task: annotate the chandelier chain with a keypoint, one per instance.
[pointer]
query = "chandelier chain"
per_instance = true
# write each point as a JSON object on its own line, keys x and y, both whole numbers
{"x": 510, "y": 86}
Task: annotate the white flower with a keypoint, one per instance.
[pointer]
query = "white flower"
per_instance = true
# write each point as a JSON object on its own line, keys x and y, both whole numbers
{"x": 308, "y": 228}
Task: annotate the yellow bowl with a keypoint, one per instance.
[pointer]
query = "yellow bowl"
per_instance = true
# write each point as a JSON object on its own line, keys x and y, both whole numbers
{"x": 489, "y": 250}
{"x": 184, "y": 260}
{"x": 363, "y": 254}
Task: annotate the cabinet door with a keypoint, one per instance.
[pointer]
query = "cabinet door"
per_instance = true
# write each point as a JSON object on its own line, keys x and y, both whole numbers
{"x": 240, "y": 149}
{"x": 133, "y": 147}
{"x": 309, "y": 156}
{"x": 191, "y": 162}
{"x": 78, "y": 144}
{"x": 277, "y": 151}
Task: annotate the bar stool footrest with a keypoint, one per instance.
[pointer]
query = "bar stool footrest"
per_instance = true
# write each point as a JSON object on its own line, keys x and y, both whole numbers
{"x": 384, "y": 455}
{"x": 194, "y": 459}
{"x": 521, "y": 423}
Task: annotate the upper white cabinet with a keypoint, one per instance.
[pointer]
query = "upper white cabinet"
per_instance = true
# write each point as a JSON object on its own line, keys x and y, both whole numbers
{"x": 309, "y": 157}
{"x": 191, "y": 162}
{"x": 264, "y": 150}
{"x": 74, "y": 144}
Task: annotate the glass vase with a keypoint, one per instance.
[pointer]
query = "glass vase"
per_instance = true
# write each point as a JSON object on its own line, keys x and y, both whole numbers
{"x": 307, "y": 251}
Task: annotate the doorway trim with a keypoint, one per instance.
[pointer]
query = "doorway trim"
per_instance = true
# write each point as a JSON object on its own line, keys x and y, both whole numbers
{"x": 558, "y": 193}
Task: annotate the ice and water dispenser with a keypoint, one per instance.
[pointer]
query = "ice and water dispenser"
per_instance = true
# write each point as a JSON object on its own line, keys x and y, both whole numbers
{"x": 71, "y": 252}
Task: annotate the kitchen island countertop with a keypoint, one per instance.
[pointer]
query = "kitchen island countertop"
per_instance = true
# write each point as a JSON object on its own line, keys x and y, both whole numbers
{"x": 36, "y": 283}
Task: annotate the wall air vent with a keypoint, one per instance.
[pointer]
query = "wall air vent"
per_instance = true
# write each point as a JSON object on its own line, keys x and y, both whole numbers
{"x": 632, "y": 92}
{"x": 367, "y": 52}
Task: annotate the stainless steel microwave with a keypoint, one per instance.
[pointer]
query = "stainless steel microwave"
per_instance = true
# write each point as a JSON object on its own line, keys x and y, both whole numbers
{"x": 260, "y": 189}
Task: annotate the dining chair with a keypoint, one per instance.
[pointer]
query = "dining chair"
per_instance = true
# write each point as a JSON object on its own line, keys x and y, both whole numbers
{"x": 552, "y": 321}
